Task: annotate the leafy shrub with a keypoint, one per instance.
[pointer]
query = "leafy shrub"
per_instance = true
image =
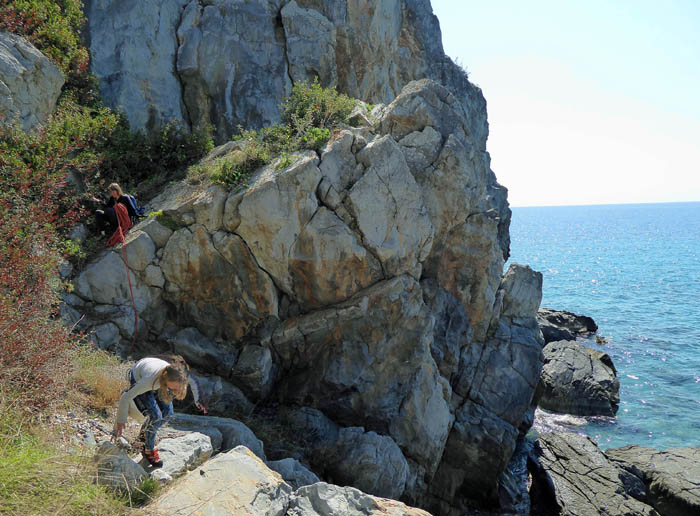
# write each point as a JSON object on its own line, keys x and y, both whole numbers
{"x": 308, "y": 115}
{"x": 315, "y": 137}
{"x": 52, "y": 26}
{"x": 315, "y": 106}
{"x": 33, "y": 343}
{"x": 133, "y": 158}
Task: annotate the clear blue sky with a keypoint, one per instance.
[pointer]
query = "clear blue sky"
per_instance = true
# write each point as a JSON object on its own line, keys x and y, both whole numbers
{"x": 589, "y": 101}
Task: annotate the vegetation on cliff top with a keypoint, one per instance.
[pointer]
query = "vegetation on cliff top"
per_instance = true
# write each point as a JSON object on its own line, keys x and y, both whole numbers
{"x": 308, "y": 116}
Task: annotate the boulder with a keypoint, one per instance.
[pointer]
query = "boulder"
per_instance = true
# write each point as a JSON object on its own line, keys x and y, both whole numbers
{"x": 107, "y": 335}
{"x": 139, "y": 249}
{"x": 29, "y": 83}
{"x": 350, "y": 456}
{"x": 571, "y": 476}
{"x": 254, "y": 371}
{"x": 323, "y": 499}
{"x": 293, "y": 472}
{"x": 184, "y": 453}
{"x": 671, "y": 478}
{"x": 223, "y": 398}
{"x": 493, "y": 391}
{"x": 370, "y": 462}
{"x": 201, "y": 352}
{"x": 104, "y": 281}
{"x": 273, "y": 212}
{"x": 578, "y": 380}
{"x": 387, "y": 205}
{"x": 233, "y": 481}
{"x": 157, "y": 231}
{"x": 234, "y": 433}
{"x": 216, "y": 283}
{"x": 116, "y": 470}
{"x": 522, "y": 291}
{"x": 563, "y": 325}
{"x": 328, "y": 262}
{"x": 339, "y": 165}
{"x": 452, "y": 332}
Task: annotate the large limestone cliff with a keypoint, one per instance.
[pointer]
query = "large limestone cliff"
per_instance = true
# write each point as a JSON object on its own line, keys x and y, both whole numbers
{"x": 362, "y": 286}
{"x": 231, "y": 62}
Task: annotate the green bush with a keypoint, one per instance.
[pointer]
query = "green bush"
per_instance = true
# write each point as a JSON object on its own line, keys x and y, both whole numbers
{"x": 52, "y": 26}
{"x": 137, "y": 160}
{"x": 308, "y": 115}
{"x": 314, "y": 106}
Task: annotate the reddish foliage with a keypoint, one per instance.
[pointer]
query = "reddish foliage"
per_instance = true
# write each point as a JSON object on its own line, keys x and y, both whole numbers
{"x": 33, "y": 342}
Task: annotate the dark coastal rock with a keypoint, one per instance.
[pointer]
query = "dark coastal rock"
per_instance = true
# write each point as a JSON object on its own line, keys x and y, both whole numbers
{"x": 571, "y": 476}
{"x": 562, "y": 325}
{"x": 671, "y": 477}
{"x": 578, "y": 380}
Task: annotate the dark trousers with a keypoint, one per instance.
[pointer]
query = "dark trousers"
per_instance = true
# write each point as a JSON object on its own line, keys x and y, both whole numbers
{"x": 106, "y": 219}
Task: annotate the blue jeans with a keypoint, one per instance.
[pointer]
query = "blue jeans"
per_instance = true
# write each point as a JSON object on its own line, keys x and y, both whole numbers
{"x": 156, "y": 411}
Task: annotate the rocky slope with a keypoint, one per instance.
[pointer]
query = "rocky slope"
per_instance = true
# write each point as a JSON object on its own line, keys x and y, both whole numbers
{"x": 364, "y": 283}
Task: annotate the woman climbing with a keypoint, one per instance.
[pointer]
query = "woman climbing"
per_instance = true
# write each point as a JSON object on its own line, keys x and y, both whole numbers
{"x": 108, "y": 215}
{"x": 154, "y": 383}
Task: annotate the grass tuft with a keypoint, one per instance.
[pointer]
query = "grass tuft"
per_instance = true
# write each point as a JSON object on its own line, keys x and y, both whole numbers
{"x": 38, "y": 478}
{"x": 308, "y": 115}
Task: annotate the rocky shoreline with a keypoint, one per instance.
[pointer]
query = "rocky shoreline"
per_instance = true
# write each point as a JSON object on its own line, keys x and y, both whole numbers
{"x": 553, "y": 471}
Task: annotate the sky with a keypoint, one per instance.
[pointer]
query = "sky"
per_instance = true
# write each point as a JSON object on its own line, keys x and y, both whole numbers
{"x": 589, "y": 101}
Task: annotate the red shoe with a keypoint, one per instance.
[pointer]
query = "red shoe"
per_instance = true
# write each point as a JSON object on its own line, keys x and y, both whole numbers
{"x": 152, "y": 457}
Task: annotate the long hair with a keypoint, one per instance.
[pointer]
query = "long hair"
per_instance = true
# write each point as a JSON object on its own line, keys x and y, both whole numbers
{"x": 116, "y": 188}
{"x": 175, "y": 372}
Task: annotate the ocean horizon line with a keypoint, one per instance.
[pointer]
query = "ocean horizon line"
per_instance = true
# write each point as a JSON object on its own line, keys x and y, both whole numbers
{"x": 652, "y": 203}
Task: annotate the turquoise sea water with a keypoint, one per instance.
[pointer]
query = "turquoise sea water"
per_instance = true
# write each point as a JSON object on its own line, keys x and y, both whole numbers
{"x": 636, "y": 270}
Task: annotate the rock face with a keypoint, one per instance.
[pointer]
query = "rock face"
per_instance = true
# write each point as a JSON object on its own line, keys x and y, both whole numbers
{"x": 578, "y": 380}
{"x": 371, "y": 462}
{"x": 365, "y": 283}
{"x": 328, "y": 500}
{"x": 234, "y": 480}
{"x": 572, "y": 477}
{"x": 29, "y": 82}
{"x": 671, "y": 478}
{"x": 239, "y": 482}
{"x": 562, "y": 325}
{"x": 204, "y": 63}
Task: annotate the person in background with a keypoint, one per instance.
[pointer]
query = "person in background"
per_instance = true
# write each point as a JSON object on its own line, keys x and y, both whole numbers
{"x": 108, "y": 216}
{"x": 154, "y": 383}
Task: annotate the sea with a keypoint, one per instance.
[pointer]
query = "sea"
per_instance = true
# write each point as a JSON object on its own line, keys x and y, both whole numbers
{"x": 635, "y": 269}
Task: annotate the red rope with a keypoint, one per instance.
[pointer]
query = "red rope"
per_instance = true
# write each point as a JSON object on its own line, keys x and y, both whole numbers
{"x": 118, "y": 237}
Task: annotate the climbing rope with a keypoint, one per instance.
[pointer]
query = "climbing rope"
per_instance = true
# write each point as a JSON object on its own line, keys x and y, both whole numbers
{"x": 123, "y": 227}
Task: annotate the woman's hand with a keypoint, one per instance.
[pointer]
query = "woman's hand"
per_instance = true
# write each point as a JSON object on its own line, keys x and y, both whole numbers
{"x": 118, "y": 429}
{"x": 201, "y": 407}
